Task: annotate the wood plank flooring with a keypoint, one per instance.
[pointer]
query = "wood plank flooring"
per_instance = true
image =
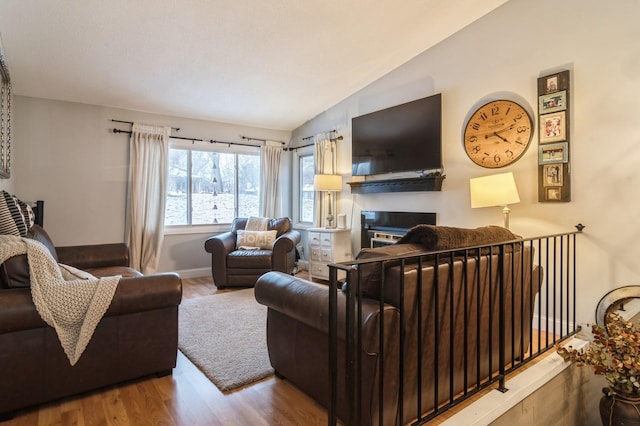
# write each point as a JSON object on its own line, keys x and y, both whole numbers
{"x": 186, "y": 397}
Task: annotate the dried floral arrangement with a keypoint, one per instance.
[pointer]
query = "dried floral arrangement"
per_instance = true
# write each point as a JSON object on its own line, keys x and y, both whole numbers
{"x": 614, "y": 354}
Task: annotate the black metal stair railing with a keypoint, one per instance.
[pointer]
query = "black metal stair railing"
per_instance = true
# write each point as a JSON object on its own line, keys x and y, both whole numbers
{"x": 449, "y": 324}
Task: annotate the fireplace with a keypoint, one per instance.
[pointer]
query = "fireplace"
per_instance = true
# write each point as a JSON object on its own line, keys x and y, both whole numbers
{"x": 378, "y": 228}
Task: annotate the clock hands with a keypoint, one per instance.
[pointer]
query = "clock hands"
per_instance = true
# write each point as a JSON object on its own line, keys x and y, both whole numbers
{"x": 504, "y": 130}
{"x": 501, "y": 137}
{"x": 497, "y": 134}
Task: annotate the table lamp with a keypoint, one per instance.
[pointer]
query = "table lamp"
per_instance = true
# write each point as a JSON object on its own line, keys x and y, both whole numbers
{"x": 494, "y": 190}
{"x": 330, "y": 184}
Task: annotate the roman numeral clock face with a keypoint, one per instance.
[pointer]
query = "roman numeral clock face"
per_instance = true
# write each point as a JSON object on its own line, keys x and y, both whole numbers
{"x": 497, "y": 134}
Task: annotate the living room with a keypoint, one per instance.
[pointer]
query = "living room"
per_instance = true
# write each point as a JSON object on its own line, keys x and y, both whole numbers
{"x": 64, "y": 152}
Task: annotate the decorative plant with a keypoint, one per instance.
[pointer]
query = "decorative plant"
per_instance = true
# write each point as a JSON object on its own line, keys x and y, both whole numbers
{"x": 615, "y": 355}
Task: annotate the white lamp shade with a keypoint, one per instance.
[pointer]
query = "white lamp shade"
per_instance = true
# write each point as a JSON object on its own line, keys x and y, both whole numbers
{"x": 494, "y": 190}
{"x": 327, "y": 183}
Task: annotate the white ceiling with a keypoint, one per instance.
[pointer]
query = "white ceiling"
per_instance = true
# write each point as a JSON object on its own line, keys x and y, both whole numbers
{"x": 265, "y": 63}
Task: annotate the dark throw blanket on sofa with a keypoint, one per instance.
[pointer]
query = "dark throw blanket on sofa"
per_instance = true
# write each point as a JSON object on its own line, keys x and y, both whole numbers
{"x": 435, "y": 238}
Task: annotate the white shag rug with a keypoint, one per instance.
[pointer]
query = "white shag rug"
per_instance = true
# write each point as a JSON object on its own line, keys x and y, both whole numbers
{"x": 224, "y": 335}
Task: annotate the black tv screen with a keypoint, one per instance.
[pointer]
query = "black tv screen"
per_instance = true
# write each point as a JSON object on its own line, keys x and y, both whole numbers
{"x": 402, "y": 138}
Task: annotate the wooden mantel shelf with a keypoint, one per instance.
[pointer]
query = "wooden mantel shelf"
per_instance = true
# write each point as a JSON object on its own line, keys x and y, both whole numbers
{"x": 427, "y": 183}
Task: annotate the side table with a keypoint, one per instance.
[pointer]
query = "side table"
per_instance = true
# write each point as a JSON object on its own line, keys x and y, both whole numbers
{"x": 327, "y": 246}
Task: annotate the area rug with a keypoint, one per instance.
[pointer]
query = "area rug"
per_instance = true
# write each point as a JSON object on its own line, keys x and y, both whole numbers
{"x": 224, "y": 335}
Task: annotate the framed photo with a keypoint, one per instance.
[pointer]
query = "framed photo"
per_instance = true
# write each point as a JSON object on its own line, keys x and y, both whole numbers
{"x": 553, "y": 194}
{"x": 553, "y": 153}
{"x": 552, "y": 102}
{"x": 551, "y": 83}
{"x": 553, "y": 127}
{"x": 552, "y": 175}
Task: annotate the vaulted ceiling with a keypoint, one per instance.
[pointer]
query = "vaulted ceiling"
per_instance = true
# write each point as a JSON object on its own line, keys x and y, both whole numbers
{"x": 265, "y": 63}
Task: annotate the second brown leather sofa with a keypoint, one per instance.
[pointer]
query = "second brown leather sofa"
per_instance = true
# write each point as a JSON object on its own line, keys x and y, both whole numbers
{"x": 298, "y": 342}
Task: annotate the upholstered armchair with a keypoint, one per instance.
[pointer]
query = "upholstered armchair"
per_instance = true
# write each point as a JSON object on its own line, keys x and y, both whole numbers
{"x": 238, "y": 259}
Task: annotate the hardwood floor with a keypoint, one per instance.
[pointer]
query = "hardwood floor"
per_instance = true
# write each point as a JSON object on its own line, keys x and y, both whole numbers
{"x": 185, "y": 398}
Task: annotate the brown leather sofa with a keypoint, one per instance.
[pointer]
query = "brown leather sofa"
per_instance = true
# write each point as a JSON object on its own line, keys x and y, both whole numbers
{"x": 242, "y": 268}
{"x": 138, "y": 335}
{"x": 297, "y": 328}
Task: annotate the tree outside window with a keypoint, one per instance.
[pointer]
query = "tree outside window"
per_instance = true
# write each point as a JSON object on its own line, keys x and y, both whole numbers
{"x": 209, "y": 187}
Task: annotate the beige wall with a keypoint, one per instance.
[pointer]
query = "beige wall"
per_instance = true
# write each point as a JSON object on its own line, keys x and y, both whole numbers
{"x": 65, "y": 154}
{"x": 502, "y": 55}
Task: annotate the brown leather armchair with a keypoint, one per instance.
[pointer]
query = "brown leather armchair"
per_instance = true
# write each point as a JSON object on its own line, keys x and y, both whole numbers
{"x": 232, "y": 267}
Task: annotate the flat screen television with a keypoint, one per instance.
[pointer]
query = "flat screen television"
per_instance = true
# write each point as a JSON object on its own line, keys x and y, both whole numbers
{"x": 402, "y": 138}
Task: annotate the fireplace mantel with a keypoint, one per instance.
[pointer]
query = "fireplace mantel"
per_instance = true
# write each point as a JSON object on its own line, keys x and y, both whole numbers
{"x": 426, "y": 183}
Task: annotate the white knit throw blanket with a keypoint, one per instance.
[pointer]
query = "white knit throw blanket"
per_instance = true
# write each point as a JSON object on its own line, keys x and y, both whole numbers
{"x": 73, "y": 308}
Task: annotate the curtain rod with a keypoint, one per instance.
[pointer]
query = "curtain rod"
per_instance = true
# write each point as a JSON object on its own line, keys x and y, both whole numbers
{"x": 330, "y": 131}
{"x": 197, "y": 139}
{"x": 177, "y": 129}
{"x": 339, "y": 138}
{"x": 260, "y": 140}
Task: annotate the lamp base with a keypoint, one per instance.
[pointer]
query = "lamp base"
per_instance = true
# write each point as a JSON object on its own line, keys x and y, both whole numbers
{"x": 506, "y": 211}
{"x": 329, "y": 224}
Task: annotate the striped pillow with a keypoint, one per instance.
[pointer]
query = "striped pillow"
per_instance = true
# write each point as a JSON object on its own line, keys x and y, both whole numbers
{"x": 16, "y": 217}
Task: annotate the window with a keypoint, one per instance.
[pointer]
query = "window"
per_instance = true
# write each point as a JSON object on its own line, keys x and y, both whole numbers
{"x": 306, "y": 170}
{"x": 209, "y": 187}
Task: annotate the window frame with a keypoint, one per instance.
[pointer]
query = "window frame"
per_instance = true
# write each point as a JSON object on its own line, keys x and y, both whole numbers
{"x": 297, "y": 186}
{"x": 191, "y": 228}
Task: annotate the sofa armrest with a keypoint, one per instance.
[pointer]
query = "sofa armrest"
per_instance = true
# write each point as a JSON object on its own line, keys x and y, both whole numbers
{"x": 94, "y": 256}
{"x": 223, "y": 243}
{"x": 286, "y": 243}
{"x": 308, "y": 303}
{"x": 146, "y": 293}
{"x": 133, "y": 295}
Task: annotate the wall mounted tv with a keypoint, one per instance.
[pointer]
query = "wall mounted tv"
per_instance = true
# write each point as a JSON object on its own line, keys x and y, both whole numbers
{"x": 402, "y": 138}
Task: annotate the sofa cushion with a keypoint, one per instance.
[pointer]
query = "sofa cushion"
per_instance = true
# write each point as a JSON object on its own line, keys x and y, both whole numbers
{"x": 38, "y": 233}
{"x": 249, "y": 259}
{"x": 371, "y": 273}
{"x": 70, "y": 273}
{"x": 16, "y": 217}
{"x": 259, "y": 239}
{"x": 112, "y": 271}
{"x": 256, "y": 223}
{"x": 14, "y": 272}
{"x": 280, "y": 225}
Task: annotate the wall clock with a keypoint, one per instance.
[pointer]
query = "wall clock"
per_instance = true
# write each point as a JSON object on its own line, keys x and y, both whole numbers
{"x": 497, "y": 134}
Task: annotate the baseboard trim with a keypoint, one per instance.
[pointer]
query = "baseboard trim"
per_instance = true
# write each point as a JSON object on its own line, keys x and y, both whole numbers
{"x": 194, "y": 273}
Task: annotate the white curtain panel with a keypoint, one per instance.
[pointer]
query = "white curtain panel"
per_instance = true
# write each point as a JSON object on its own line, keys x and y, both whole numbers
{"x": 148, "y": 153}
{"x": 325, "y": 163}
{"x": 270, "y": 155}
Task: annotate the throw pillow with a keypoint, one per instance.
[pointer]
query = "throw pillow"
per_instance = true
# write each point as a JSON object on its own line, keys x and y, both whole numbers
{"x": 257, "y": 224}
{"x": 261, "y": 239}
{"x": 70, "y": 273}
{"x": 16, "y": 217}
